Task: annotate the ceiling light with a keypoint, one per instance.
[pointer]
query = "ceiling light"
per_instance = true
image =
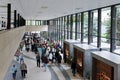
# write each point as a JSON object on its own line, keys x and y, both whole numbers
{"x": 78, "y": 8}
{"x": 44, "y": 7}
{"x": 40, "y": 12}
{"x": 65, "y": 13}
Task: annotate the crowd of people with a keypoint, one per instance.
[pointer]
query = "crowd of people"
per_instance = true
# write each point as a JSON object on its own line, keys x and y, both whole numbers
{"x": 46, "y": 51}
{"x": 23, "y": 67}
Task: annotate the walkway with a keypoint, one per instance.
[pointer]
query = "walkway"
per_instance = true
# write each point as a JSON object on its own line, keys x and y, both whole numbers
{"x": 54, "y": 71}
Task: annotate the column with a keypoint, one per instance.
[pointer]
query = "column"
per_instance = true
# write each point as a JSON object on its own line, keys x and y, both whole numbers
{"x": 99, "y": 29}
{"x": 8, "y": 16}
{"x": 18, "y": 19}
{"x": 113, "y": 29}
{"x": 82, "y": 25}
{"x": 76, "y": 26}
{"x": 90, "y": 26}
{"x": 71, "y": 26}
{"x": 68, "y": 27}
{"x": 15, "y": 12}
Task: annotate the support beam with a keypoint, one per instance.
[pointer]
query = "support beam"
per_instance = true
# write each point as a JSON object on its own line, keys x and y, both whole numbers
{"x": 90, "y": 26}
{"x": 15, "y": 12}
{"x": 99, "y": 29}
{"x": 9, "y": 16}
{"x": 76, "y": 18}
{"x": 113, "y": 29}
{"x": 82, "y": 25}
{"x": 68, "y": 27}
{"x": 71, "y": 27}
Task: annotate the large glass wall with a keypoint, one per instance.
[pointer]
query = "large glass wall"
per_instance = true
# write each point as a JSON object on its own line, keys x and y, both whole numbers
{"x": 35, "y": 22}
{"x": 100, "y": 27}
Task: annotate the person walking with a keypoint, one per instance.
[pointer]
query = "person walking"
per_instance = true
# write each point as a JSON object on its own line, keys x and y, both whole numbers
{"x": 50, "y": 56}
{"x": 38, "y": 59}
{"x": 59, "y": 58}
{"x": 73, "y": 67}
{"x": 45, "y": 62}
{"x": 23, "y": 68}
{"x": 14, "y": 71}
{"x": 21, "y": 57}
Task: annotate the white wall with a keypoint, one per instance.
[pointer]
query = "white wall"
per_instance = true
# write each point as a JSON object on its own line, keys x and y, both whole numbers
{"x": 37, "y": 28}
{"x": 9, "y": 42}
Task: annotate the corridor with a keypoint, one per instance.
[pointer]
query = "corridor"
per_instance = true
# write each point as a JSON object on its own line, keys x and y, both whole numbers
{"x": 54, "y": 71}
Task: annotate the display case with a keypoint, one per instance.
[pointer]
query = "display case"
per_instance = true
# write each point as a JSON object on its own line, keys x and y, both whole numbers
{"x": 82, "y": 54}
{"x": 105, "y": 66}
{"x": 68, "y": 49}
{"x": 79, "y": 57}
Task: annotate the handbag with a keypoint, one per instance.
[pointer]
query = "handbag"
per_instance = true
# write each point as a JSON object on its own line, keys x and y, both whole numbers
{"x": 15, "y": 71}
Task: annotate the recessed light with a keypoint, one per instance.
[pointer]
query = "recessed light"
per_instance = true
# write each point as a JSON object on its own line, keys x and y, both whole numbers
{"x": 44, "y": 7}
{"x": 78, "y": 8}
{"x": 40, "y": 12}
{"x": 65, "y": 13}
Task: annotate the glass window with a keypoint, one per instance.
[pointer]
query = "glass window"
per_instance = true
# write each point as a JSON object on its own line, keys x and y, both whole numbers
{"x": 118, "y": 31}
{"x": 36, "y": 22}
{"x": 28, "y": 22}
{"x": 33, "y": 22}
{"x": 105, "y": 28}
{"x": 95, "y": 27}
{"x": 73, "y": 27}
{"x": 85, "y": 29}
{"x": 62, "y": 25}
{"x": 78, "y": 26}
{"x": 69, "y": 27}
{"x": 65, "y": 27}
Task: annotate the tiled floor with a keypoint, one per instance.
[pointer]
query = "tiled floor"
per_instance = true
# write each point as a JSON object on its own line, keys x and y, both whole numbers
{"x": 54, "y": 71}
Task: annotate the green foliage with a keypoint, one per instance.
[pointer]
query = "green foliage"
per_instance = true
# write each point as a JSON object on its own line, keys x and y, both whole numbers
{"x": 107, "y": 23}
{"x": 118, "y": 26}
{"x": 70, "y": 59}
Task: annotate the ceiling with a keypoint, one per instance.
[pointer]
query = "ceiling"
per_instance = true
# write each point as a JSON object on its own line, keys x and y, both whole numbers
{"x": 49, "y": 9}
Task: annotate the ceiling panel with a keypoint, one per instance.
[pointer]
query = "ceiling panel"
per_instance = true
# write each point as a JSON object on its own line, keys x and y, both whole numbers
{"x": 48, "y": 9}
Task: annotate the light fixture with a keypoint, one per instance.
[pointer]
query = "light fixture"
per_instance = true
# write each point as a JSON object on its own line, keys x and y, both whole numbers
{"x": 40, "y": 12}
{"x": 78, "y": 8}
{"x": 44, "y": 7}
{"x": 65, "y": 13}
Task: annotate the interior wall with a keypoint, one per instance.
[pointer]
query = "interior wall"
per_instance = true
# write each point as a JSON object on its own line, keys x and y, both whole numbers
{"x": 9, "y": 42}
{"x": 37, "y": 28}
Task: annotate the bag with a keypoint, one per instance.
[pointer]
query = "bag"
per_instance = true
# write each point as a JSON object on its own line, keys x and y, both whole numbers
{"x": 15, "y": 71}
{"x": 46, "y": 60}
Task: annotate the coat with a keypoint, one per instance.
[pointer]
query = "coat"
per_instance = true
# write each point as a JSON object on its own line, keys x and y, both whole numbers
{"x": 23, "y": 66}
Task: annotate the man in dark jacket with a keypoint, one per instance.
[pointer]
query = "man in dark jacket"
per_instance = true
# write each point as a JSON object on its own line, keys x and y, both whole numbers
{"x": 38, "y": 59}
{"x": 73, "y": 67}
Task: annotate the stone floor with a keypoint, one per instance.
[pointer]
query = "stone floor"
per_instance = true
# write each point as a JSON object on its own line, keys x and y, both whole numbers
{"x": 54, "y": 71}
